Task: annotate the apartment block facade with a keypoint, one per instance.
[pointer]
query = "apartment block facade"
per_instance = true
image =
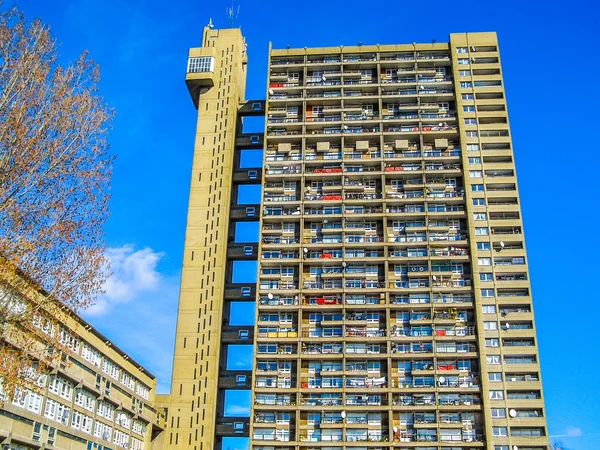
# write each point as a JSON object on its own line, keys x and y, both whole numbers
{"x": 393, "y": 305}
{"x": 95, "y": 397}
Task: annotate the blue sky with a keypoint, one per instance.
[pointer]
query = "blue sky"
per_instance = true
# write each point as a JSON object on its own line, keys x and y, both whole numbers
{"x": 549, "y": 56}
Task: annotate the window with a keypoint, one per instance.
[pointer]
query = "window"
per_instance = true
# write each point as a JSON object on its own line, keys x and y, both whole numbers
{"x": 56, "y": 411}
{"x": 471, "y": 134}
{"x": 110, "y": 368}
{"x": 527, "y": 432}
{"x": 484, "y": 261}
{"x": 466, "y": 84}
{"x": 51, "y": 436}
{"x": 499, "y": 431}
{"x": 481, "y": 231}
{"x": 468, "y": 108}
{"x": 102, "y": 430}
{"x": 127, "y": 380}
{"x": 492, "y": 359}
{"x": 479, "y": 216}
{"x": 142, "y": 391}
{"x": 105, "y": 410}
{"x": 34, "y": 402}
{"x": 124, "y": 420}
{"x": 462, "y": 50}
{"x": 487, "y": 293}
{"x": 84, "y": 399}
{"x": 254, "y": 139}
{"x": 474, "y": 160}
{"x": 464, "y": 73}
{"x": 120, "y": 438}
{"x": 201, "y": 64}
{"x": 488, "y": 309}
{"x": 256, "y": 106}
{"x": 483, "y": 245}
{"x": 475, "y": 173}
{"x": 467, "y": 96}
{"x": 492, "y": 342}
{"x": 477, "y": 187}
{"x": 496, "y": 395}
{"x": 139, "y": 427}
{"x": 470, "y": 121}
{"x": 60, "y": 387}
{"x": 473, "y": 147}
{"x": 495, "y": 376}
{"x": 491, "y": 325}
{"x": 500, "y": 447}
{"x": 90, "y": 354}
{"x": 463, "y": 61}
{"x": 485, "y": 277}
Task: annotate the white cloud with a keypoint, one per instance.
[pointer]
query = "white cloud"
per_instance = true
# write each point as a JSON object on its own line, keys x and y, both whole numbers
{"x": 139, "y": 310}
{"x": 134, "y": 273}
{"x": 573, "y": 432}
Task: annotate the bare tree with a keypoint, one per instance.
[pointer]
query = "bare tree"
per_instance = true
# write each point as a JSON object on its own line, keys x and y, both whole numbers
{"x": 558, "y": 445}
{"x": 55, "y": 172}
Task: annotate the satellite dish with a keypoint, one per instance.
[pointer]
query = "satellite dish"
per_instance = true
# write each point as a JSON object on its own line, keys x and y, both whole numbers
{"x": 324, "y": 78}
{"x": 326, "y": 221}
{"x": 434, "y": 278}
{"x": 305, "y": 250}
{"x": 395, "y": 429}
{"x": 344, "y": 264}
{"x": 502, "y": 244}
{"x": 270, "y": 296}
{"x": 271, "y": 91}
{"x": 507, "y": 325}
{"x": 515, "y": 447}
{"x": 442, "y": 380}
{"x": 345, "y": 127}
{"x": 343, "y": 414}
{"x": 440, "y": 124}
{"x": 512, "y": 413}
{"x": 421, "y": 87}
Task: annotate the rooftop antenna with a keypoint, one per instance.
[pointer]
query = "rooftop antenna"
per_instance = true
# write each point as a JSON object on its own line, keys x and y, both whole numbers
{"x": 210, "y": 24}
{"x": 232, "y": 13}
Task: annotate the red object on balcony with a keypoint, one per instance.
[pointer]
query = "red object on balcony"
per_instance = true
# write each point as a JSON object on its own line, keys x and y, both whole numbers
{"x": 440, "y": 333}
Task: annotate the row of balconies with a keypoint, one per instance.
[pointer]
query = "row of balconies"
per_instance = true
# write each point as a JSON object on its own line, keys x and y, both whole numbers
{"x": 373, "y": 169}
{"x": 316, "y": 83}
{"x": 360, "y": 129}
{"x": 349, "y": 154}
{"x": 394, "y": 237}
{"x": 358, "y": 283}
{"x": 433, "y": 399}
{"x": 325, "y": 227}
{"x": 367, "y": 92}
{"x": 360, "y": 236}
{"x": 296, "y": 119}
{"x": 293, "y": 256}
{"x": 357, "y": 300}
{"x": 272, "y": 349}
{"x": 335, "y": 77}
{"x": 362, "y": 58}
